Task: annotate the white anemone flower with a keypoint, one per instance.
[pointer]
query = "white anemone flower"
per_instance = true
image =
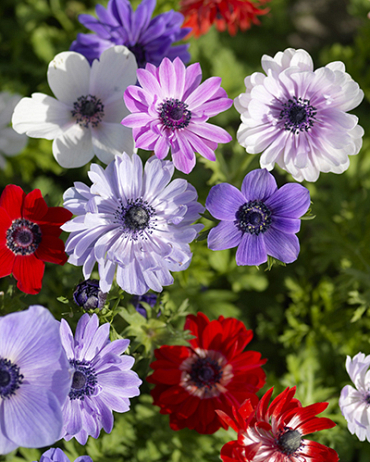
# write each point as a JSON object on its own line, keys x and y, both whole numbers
{"x": 85, "y": 117}
{"x": 297, "y": 116}
{"x": 355, "y": 402}
{"x": 11, "y": 143}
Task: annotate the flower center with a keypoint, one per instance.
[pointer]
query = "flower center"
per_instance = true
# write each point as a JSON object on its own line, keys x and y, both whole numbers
{"x": 88, "y": 110}
{"x": 10, "y": 378}
{"x": 23, "y": 237}
{"x": 135, "y": 218}
{"x": 205, "y": 372}
{"x": 84, "y": 379}
{"x": 174, "y": 114}
{"x": 140, "y": 55}
{"x": 253, "y": 217}
{"x": 298, "y": 115}
{"x": 289, "y": 441}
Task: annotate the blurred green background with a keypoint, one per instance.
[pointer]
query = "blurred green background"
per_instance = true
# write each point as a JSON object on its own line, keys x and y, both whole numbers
{"x": 306, "y": 316}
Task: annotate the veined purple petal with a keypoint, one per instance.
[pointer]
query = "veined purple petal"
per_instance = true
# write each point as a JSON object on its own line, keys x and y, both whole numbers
{"x": 290, "y": 201}
{"x": 209, "y": 131}
{"x": 252, "y": 250}
{"x": 224, "y": 236}
{"x": 284, "y": 247}
{"x": 258, "y": 185}
{"x": 224, "y": 200}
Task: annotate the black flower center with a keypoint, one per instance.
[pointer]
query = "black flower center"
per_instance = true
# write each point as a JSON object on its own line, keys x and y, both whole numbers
{"x": 205, "y": 372}
{"x": 84, "y": 379}
{"x": 88, "y": 110}
{"x": 289, "y": 441}
{"x": 298, "y": 115}
{"x": 135, "y": 218}
{"x": 253, "y": 217}
{"x": 10, "y": 378}
{"x": 140, "y": 54}
{"x": 23, "y": 237}
{"x": 174, "y": 114}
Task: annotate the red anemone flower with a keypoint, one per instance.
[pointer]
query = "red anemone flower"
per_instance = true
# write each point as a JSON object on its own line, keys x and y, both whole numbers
{"x": 29, "y": 236}
{"x": 214, "y": 372}
{"x": 274, "y": 433}
{"x": 230, "y": 14}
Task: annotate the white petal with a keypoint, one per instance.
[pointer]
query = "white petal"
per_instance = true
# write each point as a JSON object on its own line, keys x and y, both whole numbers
{"x": 69, "y": 76}
{"x": 111, "y": 139}
{"x": 41, "y": 117}
{"x": 11, "y": 142}
{"x": 74, "y": 148}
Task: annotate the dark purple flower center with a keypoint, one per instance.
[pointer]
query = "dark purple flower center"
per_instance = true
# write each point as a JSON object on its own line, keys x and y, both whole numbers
{"x": 289, "y": 441}
{"x": 205, "y": 372}
{"x": 88, "y": 110}
{"x": 174, "y": 114}
{"x": 83, "y": 381}
{"x": 136, "y": 217}
{"x": 253, "y": 217}
{"x": 298, "y": 115}
{"x": 140, "y": 54}
{"x": 88, "y": 295}
{"x": 10, "y": 378}
{"x": 23, "y": 237}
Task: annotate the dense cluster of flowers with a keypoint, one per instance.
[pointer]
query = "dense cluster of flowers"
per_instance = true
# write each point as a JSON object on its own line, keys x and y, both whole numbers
{"x": 125, "y": 88}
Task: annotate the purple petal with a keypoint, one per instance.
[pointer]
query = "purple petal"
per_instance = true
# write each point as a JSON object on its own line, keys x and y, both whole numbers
{"x": 209, "y": 131}
{"x": 251, "y": 250}
{"x": 284, "y": 247}
{"x": 32, "y": 418}
{"x": 291, "y": 201}
{"x": 193, "y": 79}
{"x": 286, "y": 225}
{"x": 224, "y": 200}
{"x": 258, "y": 185}
{"x": 55, "y": 455}
{"x": 224, "y": 236}
{"x": 148, "y": 82}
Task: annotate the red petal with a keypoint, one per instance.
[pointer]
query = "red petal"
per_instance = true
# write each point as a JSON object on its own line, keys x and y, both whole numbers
{"x": 188, "y": 407}
{"x": 5, "y": 223}
{"x": 29, "y": 271}
{"x": 227, "y": 419}
{"x": 318, "y": 452}
{"x": 304, "y": 414}
{"x": 211, "y": 337}
{"x": 11, "y": 200}
{"x": 7, "y": 258}
{"x": 168, "y": 377}
{"x": 51, "y": 249}
{"x": 315, "y": 424}
{"x": 174, "y": 395}
{"x": 34, "y": 206}
{"x": 53, "y": 220}
{"x": 228, "y": 451}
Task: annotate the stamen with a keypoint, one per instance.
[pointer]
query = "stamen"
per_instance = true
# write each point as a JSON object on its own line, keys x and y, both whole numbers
{"x": 88, "y": 110}
{"x": 174, "y": 114}
{"x": 205, "y": 372}
{"x": 298, "y": 115}
{"x": 136, "y": 218}
{"x": 10, "y": 378}
{"x": 23, "y": 237}
{"x": 84, "y": 379}
{"x": 253, "y": 217}
{"x": 289, "y": 441}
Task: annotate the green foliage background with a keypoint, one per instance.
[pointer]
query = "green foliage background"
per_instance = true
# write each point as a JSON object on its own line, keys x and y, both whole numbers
{"x": 306, "y": 316}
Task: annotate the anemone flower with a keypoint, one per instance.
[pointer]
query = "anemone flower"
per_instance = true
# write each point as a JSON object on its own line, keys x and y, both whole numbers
{"x": 274, "y": 433}
{"x": 102, "y": 379}
{"x": 297, "y": 117}
{"x": 35, "y": 379}
{"x": 213, "y": 372}
{"x": 170, "y": 110}
{"x": 136, "y": 221}
{"x": 260, "y": 219}
{"x": 149, "y": 39}
{"x": 84, "y": 118}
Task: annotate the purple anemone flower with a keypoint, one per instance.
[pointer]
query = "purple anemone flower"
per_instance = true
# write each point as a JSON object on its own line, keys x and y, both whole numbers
{"x": 102, "y": 379}
{"x": 150, "y": 40}
{"x": 57, "y": 455}
{"x": 170, "y": 110}
{"x": 297, "y": 117}
{"x": 35, "y": 379}
{"x": 136, "y": 221}
{"x": 150, "y": 299}
{"x": 260, "y": 219}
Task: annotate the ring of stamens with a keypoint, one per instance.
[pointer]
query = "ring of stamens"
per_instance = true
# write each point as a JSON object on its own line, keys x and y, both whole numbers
{"x": 253, "y": 217}
{"x": 83, "y": 381}
{"x": 137, "y": 218}
{"x": 23, "y": 237}
{"x": 174, "y": 114}
{"x": 298, "y": 115}
{"x": 88, "y": 110}
{"x": 10, "y": 378}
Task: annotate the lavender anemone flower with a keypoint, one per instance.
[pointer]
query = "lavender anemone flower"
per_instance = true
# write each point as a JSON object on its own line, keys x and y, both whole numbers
{"x": 355, "y": 402}
{"x": 260, "y": 220}
{"x": 57, "y": 455}
{"x": 170, "y": 110}
{"x": 297, "y": 117}
{"x": 35, "y": 379}
{"x": 102, "y": 379}
{"x": 135, "y": 221}
{"x": 150, "y": 40}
